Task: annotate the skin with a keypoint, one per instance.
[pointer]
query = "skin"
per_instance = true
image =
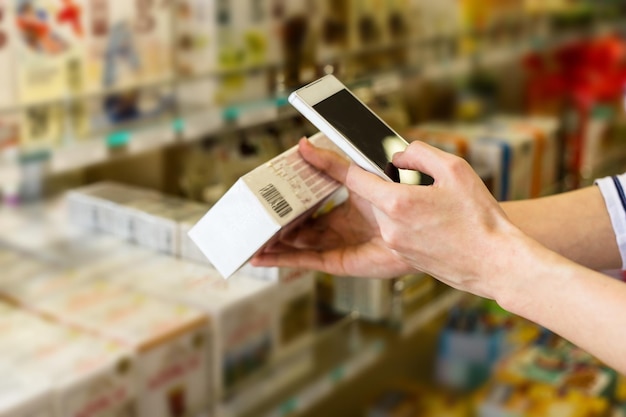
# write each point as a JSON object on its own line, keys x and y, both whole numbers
{"x": 536, "y": 258}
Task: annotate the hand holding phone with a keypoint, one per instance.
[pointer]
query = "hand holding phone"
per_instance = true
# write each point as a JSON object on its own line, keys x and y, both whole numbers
{"x": 353, "y": 127}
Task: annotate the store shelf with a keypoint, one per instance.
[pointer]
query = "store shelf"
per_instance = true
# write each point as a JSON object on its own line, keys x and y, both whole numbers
{"x": 191, "y": 125}
{"x": 339, "y": 354}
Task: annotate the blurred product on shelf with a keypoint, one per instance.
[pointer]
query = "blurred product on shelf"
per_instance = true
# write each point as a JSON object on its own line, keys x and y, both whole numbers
{"x": 144, "y": 217}
{"x": 406, "y": 398}
{"x": 50, "y": 48}
{"x": 169, "y": 341}
{"x": 53, "y": 370}
{"x": 516, "y": 156}
{"x": 476, "y": 336}
{"x": 582, "y": 82}
{"x": 530, "y": 399}
{"x": 160, "y": 307}
{"x": 389, "y": 301}
{"x": 267, "y": 201}
{"x": 128, "y": 44}
{"x": 196, "y": 37}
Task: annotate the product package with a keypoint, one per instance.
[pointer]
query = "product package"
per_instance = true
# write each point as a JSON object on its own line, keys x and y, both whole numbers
{"x": 254, "y": 320}
{"x": 196, "y": 42}
{"x": 267, "y": 201}
{"x": 507, "y": 154}
{"x": 50, "y": 49}
{"x": 144, "y": 217}
{"x": 88, "y": 375}
{"x": 544, "y": 130}
{"x": 128, "y": 44}
{"x": 169, "y": 341}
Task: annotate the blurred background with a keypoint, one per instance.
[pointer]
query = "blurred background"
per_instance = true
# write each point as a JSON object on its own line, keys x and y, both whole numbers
{"x": 122, "y": 122}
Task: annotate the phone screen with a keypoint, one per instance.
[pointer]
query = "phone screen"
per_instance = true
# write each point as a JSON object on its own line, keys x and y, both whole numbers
{"x": 366, "y": 131}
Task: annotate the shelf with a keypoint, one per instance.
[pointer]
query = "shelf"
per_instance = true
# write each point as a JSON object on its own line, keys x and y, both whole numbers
{"x": 337, "y": 355}
{"x": 190, "y": 125}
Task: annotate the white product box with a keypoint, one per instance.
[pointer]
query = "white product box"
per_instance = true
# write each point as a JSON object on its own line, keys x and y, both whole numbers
{"x": 242, "y": 312}
{"x": 7, "y": 59}
{"x": 170, "y": 342}
{"x": 188, "y": 249}
{"x": 267, "y": 201}
{"x": 100, "y": 206}
{"x": 88, "y": 375}
{"x": 24, "y": 396}
{"x": 157, "y": 226}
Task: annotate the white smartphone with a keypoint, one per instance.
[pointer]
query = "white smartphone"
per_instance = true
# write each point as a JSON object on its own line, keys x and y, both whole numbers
{"x": 352, "y": 126}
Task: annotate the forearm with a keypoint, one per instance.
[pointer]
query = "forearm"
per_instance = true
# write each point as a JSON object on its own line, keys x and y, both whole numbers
{"x": 584, "y": 306}
{"x": 574, "y": 224}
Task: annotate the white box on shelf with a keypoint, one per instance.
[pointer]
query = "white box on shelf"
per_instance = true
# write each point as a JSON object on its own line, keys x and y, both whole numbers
{"x": 188, "y": 249}
{"x": 242, "y": 312}
{"x": 24, "y": 395}
{"x": 269, "y": 200}
{"x": 170, "y": 342}
{"x": 88, "y": 375}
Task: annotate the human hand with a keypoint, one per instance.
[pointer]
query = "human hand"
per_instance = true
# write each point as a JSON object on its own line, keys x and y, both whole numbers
{"x": 340, "y": 241}
{"x": 386, "y": 229}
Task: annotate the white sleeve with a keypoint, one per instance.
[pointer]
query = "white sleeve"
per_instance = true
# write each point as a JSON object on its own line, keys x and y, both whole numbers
{"x": 613, "y": 190}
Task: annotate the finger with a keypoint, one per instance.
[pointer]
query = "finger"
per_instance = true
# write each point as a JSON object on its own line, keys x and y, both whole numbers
{"x": 366, "y": 185}
{"x": 306, "y": 259}
{"x": 419, "y": 156}
{"x": 327, "y": 161}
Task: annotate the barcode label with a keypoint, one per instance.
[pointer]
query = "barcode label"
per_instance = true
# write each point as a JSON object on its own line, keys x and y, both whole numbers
{"x": 276, "y": 200}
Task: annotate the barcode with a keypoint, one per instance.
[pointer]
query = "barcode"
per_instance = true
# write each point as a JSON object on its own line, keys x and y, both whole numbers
{"x": 276, "y": 200}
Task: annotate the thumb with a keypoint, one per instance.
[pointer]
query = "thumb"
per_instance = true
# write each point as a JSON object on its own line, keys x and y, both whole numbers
{"x": 419, "y": 156}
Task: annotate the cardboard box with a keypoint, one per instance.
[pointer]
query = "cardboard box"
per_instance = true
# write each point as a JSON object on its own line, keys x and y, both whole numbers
{"x": 242, "y": 312}
{"x": 269, "y": 200}
{"x": 169, "y": 340}
{"x": 189, "y": 251}
{"x": 76, "y": 374}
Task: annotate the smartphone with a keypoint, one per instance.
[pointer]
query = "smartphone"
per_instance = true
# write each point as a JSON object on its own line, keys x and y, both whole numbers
{"x": 353, "y": 127}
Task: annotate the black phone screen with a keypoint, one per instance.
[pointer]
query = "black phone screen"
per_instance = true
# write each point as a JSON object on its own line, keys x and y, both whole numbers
{"x": 366, "y": 131}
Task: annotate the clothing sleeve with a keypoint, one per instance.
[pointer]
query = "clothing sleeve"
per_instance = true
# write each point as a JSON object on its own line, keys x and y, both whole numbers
{"x": 613, "y": 190}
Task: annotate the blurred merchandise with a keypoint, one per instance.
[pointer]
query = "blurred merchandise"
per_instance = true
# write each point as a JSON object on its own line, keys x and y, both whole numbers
{"x": 410, "y": 399}
{"x": 52, "y": 370}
